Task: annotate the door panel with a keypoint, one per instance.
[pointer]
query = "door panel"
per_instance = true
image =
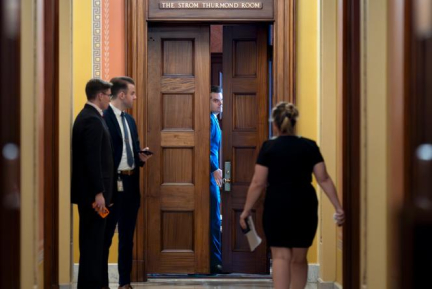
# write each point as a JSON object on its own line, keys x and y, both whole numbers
{"x": 244, "y": 129}
{"x": 178, "y": 109}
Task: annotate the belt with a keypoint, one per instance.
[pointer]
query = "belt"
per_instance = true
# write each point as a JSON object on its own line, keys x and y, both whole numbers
{"x": 126, "y": 172}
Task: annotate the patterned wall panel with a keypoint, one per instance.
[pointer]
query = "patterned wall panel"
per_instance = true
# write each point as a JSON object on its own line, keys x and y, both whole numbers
{"x": 97, "y": 30}
{"x": 108, "y": 36}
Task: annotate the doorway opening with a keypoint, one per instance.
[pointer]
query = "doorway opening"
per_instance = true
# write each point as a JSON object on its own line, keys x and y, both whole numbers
{"x": 183, "y": 62}
{"x": 241, "y": 61}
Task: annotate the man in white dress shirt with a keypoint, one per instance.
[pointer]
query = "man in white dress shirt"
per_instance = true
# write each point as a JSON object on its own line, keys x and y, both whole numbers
{"x": 128, "y": 158}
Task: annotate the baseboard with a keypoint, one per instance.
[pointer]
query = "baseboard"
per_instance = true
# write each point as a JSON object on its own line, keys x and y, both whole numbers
{"x": 324, "y": 285}
{"x": 112, "y": 273}
{"x": 313, "y": 273}
{"x": 65, "y": 286}
{"x": 328, "y": 285}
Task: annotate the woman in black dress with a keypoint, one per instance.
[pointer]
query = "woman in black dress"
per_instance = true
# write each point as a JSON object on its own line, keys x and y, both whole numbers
{"x": 284, "y": 168}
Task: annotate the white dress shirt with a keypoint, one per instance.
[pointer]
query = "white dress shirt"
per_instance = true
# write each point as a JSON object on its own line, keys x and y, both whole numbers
{"x": 123, "y": 166}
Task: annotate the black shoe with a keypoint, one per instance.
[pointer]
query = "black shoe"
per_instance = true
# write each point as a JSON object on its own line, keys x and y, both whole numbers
{"x": 218, "y": 270}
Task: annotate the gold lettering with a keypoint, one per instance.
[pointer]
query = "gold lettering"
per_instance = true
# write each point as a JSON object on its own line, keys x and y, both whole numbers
{"x": 210, "y": 5}
{"x": 166, "y": 5}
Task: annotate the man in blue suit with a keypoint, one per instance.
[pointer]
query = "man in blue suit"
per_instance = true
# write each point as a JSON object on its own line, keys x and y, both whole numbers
{"x": 128, "y": 158}
{"x": 215, "y": 180}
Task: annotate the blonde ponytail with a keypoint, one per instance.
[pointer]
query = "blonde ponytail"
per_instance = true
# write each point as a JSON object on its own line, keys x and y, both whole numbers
{"x": 284, "y": 115}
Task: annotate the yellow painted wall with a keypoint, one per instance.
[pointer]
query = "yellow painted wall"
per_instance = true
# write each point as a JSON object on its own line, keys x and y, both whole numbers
{"x": 31, "y": 114}
{"x": 28, "y": 148}
{"x": 328, "y": 138}
{"x": 374, "y": 146}
{"x": 308, "y": 78}
{"x": 65, "y": 125}
{"x": 82, "y": 72}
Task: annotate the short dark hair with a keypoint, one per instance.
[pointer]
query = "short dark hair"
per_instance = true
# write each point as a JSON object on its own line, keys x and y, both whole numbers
{"x": 215, "y": 89}
{"x": 120, "y": 83}
{"x": 96, "y": 85}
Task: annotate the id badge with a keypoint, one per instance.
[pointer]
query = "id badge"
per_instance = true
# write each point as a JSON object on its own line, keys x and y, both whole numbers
{"x": 119, "y": 185}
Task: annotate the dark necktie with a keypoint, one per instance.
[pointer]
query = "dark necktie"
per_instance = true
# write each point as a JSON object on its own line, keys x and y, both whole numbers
{"x": 130, "y": 159}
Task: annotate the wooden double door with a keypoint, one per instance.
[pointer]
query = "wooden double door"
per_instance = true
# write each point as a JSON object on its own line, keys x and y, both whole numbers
{"x": 178, "y": 110}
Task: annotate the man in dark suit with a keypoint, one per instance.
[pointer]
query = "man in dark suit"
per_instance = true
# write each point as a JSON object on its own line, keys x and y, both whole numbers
{"x": 92, "y": 180}
{"x": 128, "y": 158}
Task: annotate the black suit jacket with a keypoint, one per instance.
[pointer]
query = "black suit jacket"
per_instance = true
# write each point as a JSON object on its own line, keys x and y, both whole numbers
{"x": 92, "y": 160}
{"x": 117, "y": 138}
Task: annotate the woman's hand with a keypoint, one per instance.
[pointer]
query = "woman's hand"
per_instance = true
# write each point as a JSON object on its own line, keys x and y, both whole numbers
{"x": 243, "y": 218}
{"x": 339, "y": 217}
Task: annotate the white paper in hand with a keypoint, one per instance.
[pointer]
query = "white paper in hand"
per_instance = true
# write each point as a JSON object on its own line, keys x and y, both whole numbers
{"x": 253, "y": 239}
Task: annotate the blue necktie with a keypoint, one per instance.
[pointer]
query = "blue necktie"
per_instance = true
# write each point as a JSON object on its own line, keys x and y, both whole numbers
{"x": 130, "y": 159}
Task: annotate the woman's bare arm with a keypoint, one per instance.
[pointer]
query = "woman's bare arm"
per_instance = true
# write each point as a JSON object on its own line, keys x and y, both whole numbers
{"x": 326, "y": 183}
{"x": 258, "y": 184}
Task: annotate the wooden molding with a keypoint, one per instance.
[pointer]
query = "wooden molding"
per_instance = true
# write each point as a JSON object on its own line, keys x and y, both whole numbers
{"x": 284, "y": 52}
{"x": 136, "y": 67}
{"x": 50, "y": 173}
{"x": 350, "y": 13}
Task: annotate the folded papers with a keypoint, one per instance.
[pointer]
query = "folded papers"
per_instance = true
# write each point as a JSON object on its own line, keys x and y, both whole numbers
{"x": 251, "y": 234}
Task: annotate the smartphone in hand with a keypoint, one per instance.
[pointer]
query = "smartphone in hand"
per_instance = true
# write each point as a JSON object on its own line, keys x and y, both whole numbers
{"x": 146, "y": 152}
{"x": 102, "y": 213}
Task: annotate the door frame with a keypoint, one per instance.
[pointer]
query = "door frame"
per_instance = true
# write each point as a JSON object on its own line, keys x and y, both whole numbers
{"x": 284, "y": 71}
{"x": 51, "y": 144}
{"x": 350, "y": 13}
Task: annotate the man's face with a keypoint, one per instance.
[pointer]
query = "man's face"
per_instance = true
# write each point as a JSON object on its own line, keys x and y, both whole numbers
{"x": 216, "y": 100}
{"x": 105, "y": 99}
{"x": 129, "y": 96}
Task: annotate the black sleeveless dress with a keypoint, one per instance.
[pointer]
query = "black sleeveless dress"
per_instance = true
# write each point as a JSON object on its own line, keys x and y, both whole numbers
{"x": 290, "y": 216}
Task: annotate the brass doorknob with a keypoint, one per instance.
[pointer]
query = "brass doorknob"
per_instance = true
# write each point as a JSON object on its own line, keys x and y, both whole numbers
{"x": 227, "y": 180}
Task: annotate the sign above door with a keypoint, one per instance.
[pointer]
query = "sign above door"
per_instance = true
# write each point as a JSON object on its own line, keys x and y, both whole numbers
{"x": 208, "y": 10}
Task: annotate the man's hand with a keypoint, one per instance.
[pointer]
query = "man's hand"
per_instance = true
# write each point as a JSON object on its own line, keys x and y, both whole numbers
{"x": 217, "y": 174}
{"x": 144, "y": 157}
{"x": 100, "y": 202}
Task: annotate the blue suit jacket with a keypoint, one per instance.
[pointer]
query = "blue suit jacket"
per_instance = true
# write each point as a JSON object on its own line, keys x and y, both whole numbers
{"x": 215, "y": 142}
